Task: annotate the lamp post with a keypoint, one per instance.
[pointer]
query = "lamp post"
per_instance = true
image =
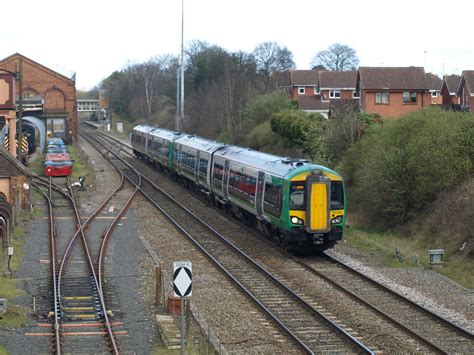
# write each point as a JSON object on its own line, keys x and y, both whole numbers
{"x": 180, "y": 79}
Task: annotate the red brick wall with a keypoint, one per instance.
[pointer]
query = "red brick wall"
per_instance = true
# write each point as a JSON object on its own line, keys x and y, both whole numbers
{"x": 309, "y": 91}
{"x": 396, "y": 107}
{"x": 58, "y": 91}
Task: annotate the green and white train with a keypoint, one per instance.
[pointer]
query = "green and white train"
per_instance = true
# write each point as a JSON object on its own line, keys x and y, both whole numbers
{"x": 298, "y": 204}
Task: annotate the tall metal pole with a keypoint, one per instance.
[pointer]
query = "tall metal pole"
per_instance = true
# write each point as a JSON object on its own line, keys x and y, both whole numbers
{"x": 178, "y": 72}
{"x": 182, "y": 67}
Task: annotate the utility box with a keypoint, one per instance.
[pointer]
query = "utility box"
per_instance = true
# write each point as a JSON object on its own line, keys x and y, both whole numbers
{"x": 3, "y": 307}
{"x": 436, "y": 256}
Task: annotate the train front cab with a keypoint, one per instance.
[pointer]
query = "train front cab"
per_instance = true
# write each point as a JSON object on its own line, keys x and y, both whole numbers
{"x": 316, "y": 210}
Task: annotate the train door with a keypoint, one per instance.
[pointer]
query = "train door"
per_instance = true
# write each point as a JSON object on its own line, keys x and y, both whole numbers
{"x": 225, "y": 190}
{"x": 259, "y": 195}
{"x": 196, "y": 166}
{"x": 317, "y": 203}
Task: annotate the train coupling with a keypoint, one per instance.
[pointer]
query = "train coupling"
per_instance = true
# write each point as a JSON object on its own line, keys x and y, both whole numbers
{"x": 318, "y": 239}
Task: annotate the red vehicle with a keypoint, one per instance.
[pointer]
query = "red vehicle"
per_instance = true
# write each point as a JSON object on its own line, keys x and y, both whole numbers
{"x": 58, "y": 168}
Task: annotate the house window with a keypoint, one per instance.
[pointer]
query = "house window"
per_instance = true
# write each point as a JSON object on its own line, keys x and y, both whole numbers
{"x": 434, "y": 93}
{"x": 301, "y": 90}
{"x": 409, "y": 97}
{"x": 335, "y": 94}
{"x": 382, "y": 97}
{"x": 316, "y": 90}
{"x": 355, "y": 95}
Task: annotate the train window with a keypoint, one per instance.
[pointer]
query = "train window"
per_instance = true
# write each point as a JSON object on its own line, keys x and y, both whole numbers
{"x": 337, "y": 195}
{"x": 156, "y": 145}
{"x": 188, "y": 160}
{"x": 203, "y": 166}
{"x": 273, "y": 195}
{"x": 218, "y": 173}
{"x": 242, "y": 183}
{"x": 297, "y": 192}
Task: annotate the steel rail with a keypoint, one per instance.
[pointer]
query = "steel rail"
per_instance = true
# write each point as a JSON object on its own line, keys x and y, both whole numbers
{"x": 110, "y": 332}
{"x": 249, "y": 259}
{"x": 447, "y": 322}
{"x": 73, "y": 240}
{"x": 57, "y": 336}
{"x": 372, "y": 307}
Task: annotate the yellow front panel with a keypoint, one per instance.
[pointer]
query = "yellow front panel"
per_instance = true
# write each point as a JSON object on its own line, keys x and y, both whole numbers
{"x": 319, "y": 207}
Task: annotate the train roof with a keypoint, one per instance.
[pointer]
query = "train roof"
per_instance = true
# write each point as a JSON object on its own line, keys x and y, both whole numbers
{"x": 199, "y": 143}
{"x": 157, "y": 132}
{"x": 144, "y": 128}
{"x": 273, "y": 164}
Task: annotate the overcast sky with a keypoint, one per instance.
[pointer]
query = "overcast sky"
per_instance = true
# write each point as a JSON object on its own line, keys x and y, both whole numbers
{"x": 95, "y": 38}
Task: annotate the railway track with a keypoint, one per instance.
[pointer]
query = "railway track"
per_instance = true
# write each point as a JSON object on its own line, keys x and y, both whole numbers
{"x": 299, "y": 319}
{"x": 81, "y": 321}
{"x": 438, "y": 333}
{"x": 417, "y": 323}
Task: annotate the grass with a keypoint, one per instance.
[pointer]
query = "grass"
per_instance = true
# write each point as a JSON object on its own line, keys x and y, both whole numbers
{"x": 15, "y": 316}
{"x": 3, "y": 351}
{"x": 400, "y": 251}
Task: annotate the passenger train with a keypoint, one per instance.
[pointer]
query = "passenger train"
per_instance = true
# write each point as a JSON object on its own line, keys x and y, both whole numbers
{"x": 298, "y": 204}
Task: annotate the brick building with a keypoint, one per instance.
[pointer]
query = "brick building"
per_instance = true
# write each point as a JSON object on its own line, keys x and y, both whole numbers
{"x": 449, "y": 90}
{"x": 47, "y": 95}
{"x": 393, "y": 91}
{"x": 466, "y": 90}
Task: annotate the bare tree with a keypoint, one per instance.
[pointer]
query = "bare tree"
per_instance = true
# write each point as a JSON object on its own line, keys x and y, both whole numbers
{"x": 270, "y": 58}
{"x": 338, "y": 57}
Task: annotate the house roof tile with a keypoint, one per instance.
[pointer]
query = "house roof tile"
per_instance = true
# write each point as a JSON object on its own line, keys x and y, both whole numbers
{"x": 304, "y": 77}
{"x": 433, "y": 82}
{"x": 392, "y": 78}
{"x": 452, "y": 83}
{"x": 338, "y": 80}
{"x": 468, "y": 76}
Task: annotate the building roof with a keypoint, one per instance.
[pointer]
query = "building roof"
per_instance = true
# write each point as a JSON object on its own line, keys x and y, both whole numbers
{"x": 468, "y": 77}
{"x": 433, "y": 82}
{"x": 312, "y": 103}
{"x": 337, "y": 80}
{"x": 304, "y": 77}
{"x": 392, "y": 78}
{"x": 16, "y": 56}
{"x": 452, "y": 83}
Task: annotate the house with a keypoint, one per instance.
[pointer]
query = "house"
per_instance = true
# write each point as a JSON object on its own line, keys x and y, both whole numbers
{"x": 335, "y": 85}
{"x": 465, "y": 90}
{"x": 303, "y": 83}
{"x": 449, "y": 90}
{"x": 48, "y": 96}
{"x": 434, "y": 84}
{"x": 315, "y": 89}
{"x": 392, "y": 91}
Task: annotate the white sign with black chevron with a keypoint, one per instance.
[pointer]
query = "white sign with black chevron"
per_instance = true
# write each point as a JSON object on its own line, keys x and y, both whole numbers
{"x": 183, "y": 278}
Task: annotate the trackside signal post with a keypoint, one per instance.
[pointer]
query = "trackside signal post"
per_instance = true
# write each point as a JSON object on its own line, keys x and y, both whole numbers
{"x": 182, "y": 287}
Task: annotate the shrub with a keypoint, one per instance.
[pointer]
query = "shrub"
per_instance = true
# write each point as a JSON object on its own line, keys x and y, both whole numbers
{"x": 401, "y": 165}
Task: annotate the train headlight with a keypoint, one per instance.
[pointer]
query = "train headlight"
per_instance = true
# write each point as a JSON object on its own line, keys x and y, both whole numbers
{"x": 296, "y": 220}
{"x": 336, "y": 220}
